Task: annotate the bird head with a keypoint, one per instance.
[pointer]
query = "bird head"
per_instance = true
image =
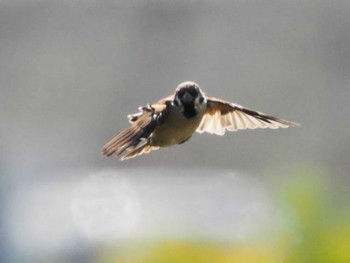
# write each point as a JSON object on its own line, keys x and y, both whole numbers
{"x": 188, "y": 93}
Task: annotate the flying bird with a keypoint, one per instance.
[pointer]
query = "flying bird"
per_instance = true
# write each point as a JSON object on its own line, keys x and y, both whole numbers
{"x": 174, "y": 119}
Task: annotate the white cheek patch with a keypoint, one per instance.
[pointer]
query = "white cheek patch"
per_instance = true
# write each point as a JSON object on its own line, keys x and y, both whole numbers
{"x": 199, "y": 106}
{"x": 178, "y": 102}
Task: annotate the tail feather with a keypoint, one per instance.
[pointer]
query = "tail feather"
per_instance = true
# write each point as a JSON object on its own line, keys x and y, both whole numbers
{"x": 132, "y": 140}
{"x": 127, "y": 138}
{"x": 146, "y": 148}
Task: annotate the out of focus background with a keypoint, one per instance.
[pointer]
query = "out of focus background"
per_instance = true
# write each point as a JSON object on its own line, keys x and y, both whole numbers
{"x": 70, "y": 72}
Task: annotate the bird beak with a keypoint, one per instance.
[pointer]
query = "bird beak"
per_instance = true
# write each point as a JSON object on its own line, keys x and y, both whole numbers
{"x": 187, "y": 98}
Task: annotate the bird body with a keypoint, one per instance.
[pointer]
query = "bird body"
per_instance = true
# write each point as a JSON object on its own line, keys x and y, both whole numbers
{"x": 174, "y": 119}
{"x": 179, "y": 128}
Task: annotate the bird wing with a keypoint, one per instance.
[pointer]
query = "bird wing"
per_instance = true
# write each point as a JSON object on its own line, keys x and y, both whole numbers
{"x": 135, "y": 138}
{"x": 222, "y": 115}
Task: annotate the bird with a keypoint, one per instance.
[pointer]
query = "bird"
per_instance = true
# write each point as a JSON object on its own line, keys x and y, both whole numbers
{"x": 174, "y": 119}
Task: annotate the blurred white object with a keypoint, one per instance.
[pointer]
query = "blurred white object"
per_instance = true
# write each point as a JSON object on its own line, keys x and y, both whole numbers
{"x": 113, "y": 206}
{"x": 105, "y": 206}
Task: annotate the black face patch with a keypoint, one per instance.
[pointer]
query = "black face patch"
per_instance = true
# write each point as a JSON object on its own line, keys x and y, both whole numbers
{"x": 189, "y": 111}
{"x": 190, "y": 90}
{"x": 186, "y": 102}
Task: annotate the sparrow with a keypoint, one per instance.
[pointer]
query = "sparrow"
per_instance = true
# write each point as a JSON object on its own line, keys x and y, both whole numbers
{"x": 174, "y": 119}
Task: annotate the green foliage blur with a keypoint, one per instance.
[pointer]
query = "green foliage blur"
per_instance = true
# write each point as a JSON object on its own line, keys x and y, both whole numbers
{"x": 314, "y": 230}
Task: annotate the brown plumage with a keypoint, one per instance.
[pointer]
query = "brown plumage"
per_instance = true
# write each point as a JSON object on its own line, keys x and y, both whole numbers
{"x": 222, "y": 115}
{"x": 142, "y": 126}
{"x": 174, "y": 119}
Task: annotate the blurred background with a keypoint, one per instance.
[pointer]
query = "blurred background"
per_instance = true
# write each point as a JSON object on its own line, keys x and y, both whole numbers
{"x": 72, "y": 70}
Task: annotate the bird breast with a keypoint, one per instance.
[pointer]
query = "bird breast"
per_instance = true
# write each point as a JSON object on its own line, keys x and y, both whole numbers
{"x": 176, "y": 127}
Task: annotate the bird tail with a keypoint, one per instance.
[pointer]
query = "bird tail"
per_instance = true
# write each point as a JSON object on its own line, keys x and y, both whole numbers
{"x": 130, "y": 140}
{"x": 145, "y": 148}
{"x": 127, "y": 138}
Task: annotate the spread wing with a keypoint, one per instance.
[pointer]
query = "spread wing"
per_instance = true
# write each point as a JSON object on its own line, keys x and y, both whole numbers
{"x": 134, "y": 139}
{"x": 221, "y": 115}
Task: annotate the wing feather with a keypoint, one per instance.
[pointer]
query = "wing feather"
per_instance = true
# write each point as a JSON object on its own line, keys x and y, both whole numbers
{"x": 135, "y": 139}
{"x": 222, "y": 115}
